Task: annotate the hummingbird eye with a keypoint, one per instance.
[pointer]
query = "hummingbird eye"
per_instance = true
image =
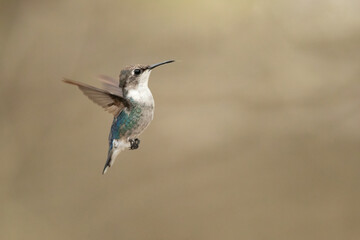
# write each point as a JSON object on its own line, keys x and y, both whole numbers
{"x": 137, "y": 71}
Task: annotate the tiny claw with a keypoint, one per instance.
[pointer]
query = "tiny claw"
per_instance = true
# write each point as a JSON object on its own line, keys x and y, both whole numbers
{"x": 134, "y": 143}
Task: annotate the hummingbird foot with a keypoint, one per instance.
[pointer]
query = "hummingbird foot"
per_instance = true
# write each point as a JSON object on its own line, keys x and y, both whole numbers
{"x": 134, "y": 143}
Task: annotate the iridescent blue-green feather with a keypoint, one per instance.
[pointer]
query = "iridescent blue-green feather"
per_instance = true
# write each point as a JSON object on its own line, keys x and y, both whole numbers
{"x": 124, "y": 123}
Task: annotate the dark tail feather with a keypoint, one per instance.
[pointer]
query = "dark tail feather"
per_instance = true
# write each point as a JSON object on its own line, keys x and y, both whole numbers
{"x": 105, "y": 168}
{"x": 108, "y": 162}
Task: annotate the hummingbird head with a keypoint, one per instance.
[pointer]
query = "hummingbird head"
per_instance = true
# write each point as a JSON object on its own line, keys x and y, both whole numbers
{"x": 134, "y": 76}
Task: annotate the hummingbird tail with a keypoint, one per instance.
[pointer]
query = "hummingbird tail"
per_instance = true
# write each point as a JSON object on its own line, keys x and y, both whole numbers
{"x": 110, "y": 159}
{"x": 107, "y": 164}
{"x": 114, "y": 151}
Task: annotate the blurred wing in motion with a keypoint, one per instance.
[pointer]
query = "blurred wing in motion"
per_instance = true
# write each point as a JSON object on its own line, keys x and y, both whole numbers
{"x": 111, "y": 85}
{"x": 111, "y": 102}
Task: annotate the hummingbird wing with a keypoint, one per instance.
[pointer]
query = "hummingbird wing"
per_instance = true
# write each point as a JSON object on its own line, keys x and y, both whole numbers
{"x": 111, "y": 85}
{"x": 110, "y": 102}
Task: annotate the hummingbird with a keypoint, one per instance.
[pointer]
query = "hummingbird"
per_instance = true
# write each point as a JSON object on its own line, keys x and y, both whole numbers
{"x": 129, "y": 100}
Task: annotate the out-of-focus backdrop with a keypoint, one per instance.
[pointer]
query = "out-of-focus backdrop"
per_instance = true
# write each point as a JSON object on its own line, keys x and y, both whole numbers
{"x": 256, "y": 132}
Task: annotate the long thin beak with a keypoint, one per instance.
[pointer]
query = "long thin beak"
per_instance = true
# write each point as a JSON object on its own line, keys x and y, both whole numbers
{"x": 159, "y": 64}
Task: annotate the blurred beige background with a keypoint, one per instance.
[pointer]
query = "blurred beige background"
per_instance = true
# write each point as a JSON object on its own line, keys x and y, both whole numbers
{"x": 256, "y": 131}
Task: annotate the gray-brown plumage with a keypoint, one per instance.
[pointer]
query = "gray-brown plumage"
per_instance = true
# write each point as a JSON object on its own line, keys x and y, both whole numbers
{"x": 114, "y": 102}
{"x": 129, "y": 100}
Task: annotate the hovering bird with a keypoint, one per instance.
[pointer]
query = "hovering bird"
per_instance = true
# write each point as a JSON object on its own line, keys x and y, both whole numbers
{"x": 129, "y": 100}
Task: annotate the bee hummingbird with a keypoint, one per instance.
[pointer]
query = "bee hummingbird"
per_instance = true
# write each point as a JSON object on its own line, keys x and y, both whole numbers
{"x": 129, "y": 100}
